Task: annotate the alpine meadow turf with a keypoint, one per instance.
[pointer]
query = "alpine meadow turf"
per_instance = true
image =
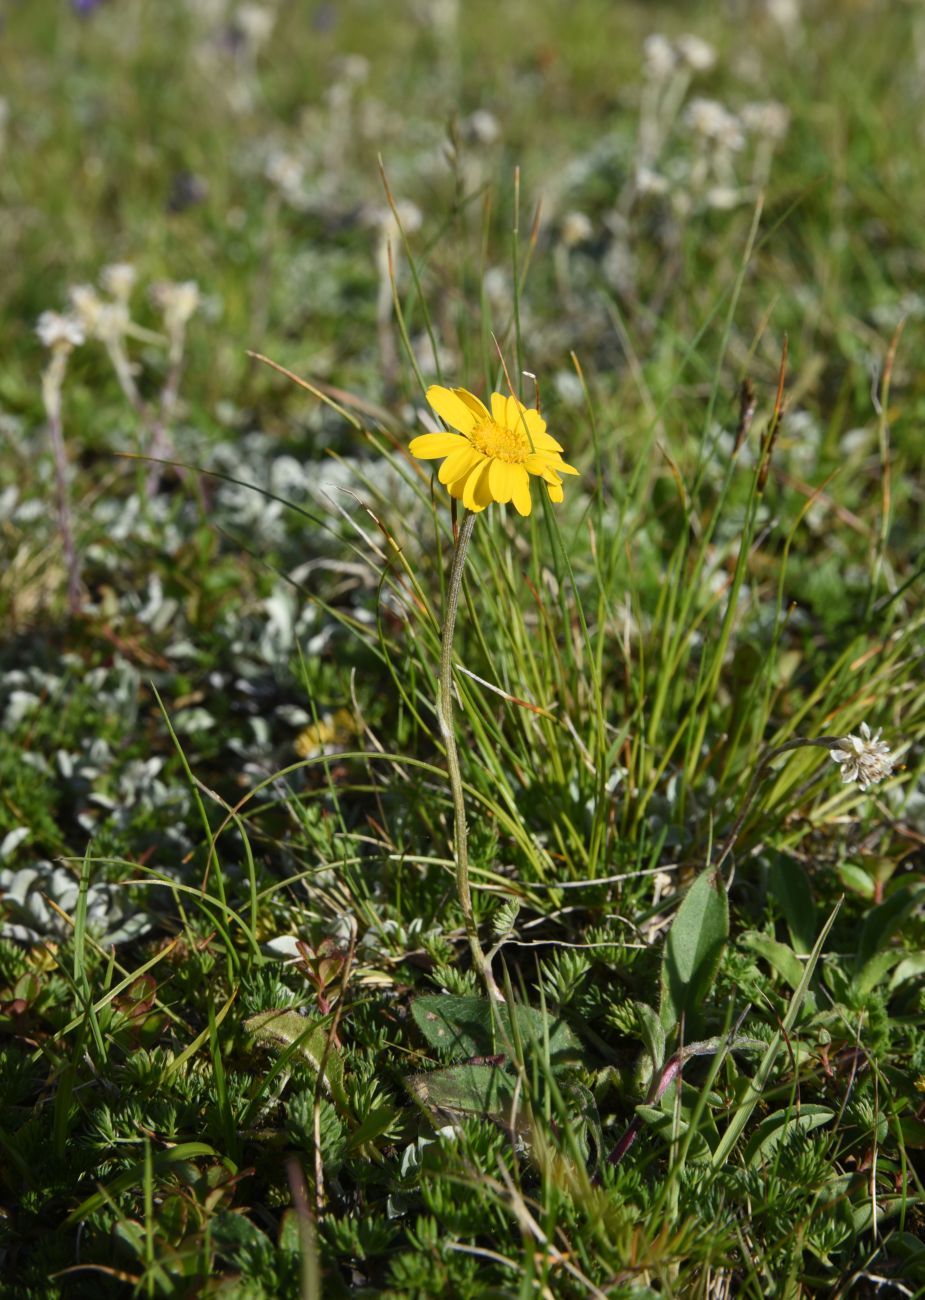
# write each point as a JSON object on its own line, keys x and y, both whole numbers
{"x": 462, "y": 674}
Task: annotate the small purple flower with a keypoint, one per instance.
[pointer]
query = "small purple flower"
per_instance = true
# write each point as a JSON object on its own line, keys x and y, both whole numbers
{"x": 84, "y": 7}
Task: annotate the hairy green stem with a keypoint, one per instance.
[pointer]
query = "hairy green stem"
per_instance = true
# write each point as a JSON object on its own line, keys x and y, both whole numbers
{"x": 445, "y": 718}
{"x": 52, "y": 382}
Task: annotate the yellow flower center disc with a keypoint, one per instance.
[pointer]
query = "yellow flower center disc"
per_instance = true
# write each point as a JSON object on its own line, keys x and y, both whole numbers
{"x": 510, "y": 445}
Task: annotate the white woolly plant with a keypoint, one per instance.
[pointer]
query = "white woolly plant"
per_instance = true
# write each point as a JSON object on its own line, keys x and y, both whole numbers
{"x": 27, "y": 896}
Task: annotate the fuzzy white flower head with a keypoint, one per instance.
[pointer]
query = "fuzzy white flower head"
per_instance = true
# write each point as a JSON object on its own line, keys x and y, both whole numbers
{"x": 87, "y": 304}
{"x": 409, "y": 217}
{"x": 659, "y": 56}
{"x": 786, "y": 13}
{"x": 723, "y": 198}
{"x": 481, "y": 127}
{"x": 354, "y": 68}
{"x": 178, "y": 301}
{"x": 119, "y": 280}
{"x": 286, "y": 171}
{"x": 711, "y": 120}
{"x": 112, "y": 321}
{"x": 576, "y": 229}
{"x": 865, "y": 758}
{"x": 496, "y": 285}
{"x": 770, "y": 120}
{"x": 649, "y": 181}
{"x": 698, "y": 54}
{"x": 59, "y": 332}
{"x": 256, "y": 23}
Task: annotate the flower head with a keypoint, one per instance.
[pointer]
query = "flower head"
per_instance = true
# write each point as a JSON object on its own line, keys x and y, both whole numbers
{"x": 660, "y": 57}
{"x": 59, "y": 332}
{"x": 494, "y": 453}
{"x": 865, "y": 758}
{"x": 768, "y": 119}
{"x": 698, "y": 54}
{"x": 119, "y": 279}
{"x": 713, "y": 121}
{"x": 87, "y": 305}
{"x": 177, "y": 301}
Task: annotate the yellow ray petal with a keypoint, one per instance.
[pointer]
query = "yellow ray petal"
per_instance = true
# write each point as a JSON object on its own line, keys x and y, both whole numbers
{"x": 451, "y": 408}
{"x": 512, "y": 414}
{"x": 499, "y": 408}
{"x": 500, "y": 480}
{"x": 473, "y": 498}
{"x": 482, "y": 490}
{"x": 477, "y": 407}
{"x": 520, "y": 494}
{"x": 545, "y": 442}
{"x": 536, "y": 427}
{"x": 459, "y": 462}
{"x": 555, "y": 491}
{"x": 430, "y": 446}
{"x": 459, "y": 488}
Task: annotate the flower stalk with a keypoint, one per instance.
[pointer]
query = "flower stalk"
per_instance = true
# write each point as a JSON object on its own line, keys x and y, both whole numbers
{"x": 447, "y": 732}
{"x": 61, "y": 334}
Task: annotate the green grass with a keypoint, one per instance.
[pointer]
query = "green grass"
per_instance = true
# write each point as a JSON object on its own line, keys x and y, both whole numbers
{"x": 243, "y": 1051}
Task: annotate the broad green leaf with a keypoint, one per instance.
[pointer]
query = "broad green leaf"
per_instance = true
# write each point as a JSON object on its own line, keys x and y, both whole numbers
{"x": 308, "y": 1038}
{"x": 462, "y": 1027}
{"x": 863, "y": 1215}
{"x": 793, "y": 895}
{"x": 776, "y": 1128}
{"x": 587, "y": 1120}
{"x": 467, "y": 1090}
{"x": 882, "y": 922}
{"x": 908, "y": 1247}
{"x": 856, "y": 879}
{"x": 908, "y": 969}
{"x": 693, "y": 949}
{"x": 875, "y": 970}
{"x": 781, "y": 958}
{"x": 290, "y": 1237}
{"x": 670, "y": 1126}
{"x": 913, "y": 1131}
{"x": 652, "y": 1033}
{"x": 238, "y": 1237}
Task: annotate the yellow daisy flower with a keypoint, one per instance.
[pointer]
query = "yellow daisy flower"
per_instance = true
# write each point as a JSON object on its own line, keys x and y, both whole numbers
{"x": 494, "y": 453}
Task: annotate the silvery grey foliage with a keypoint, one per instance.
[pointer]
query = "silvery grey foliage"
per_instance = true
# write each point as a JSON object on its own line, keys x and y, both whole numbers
{"x": 25, "y": 895}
